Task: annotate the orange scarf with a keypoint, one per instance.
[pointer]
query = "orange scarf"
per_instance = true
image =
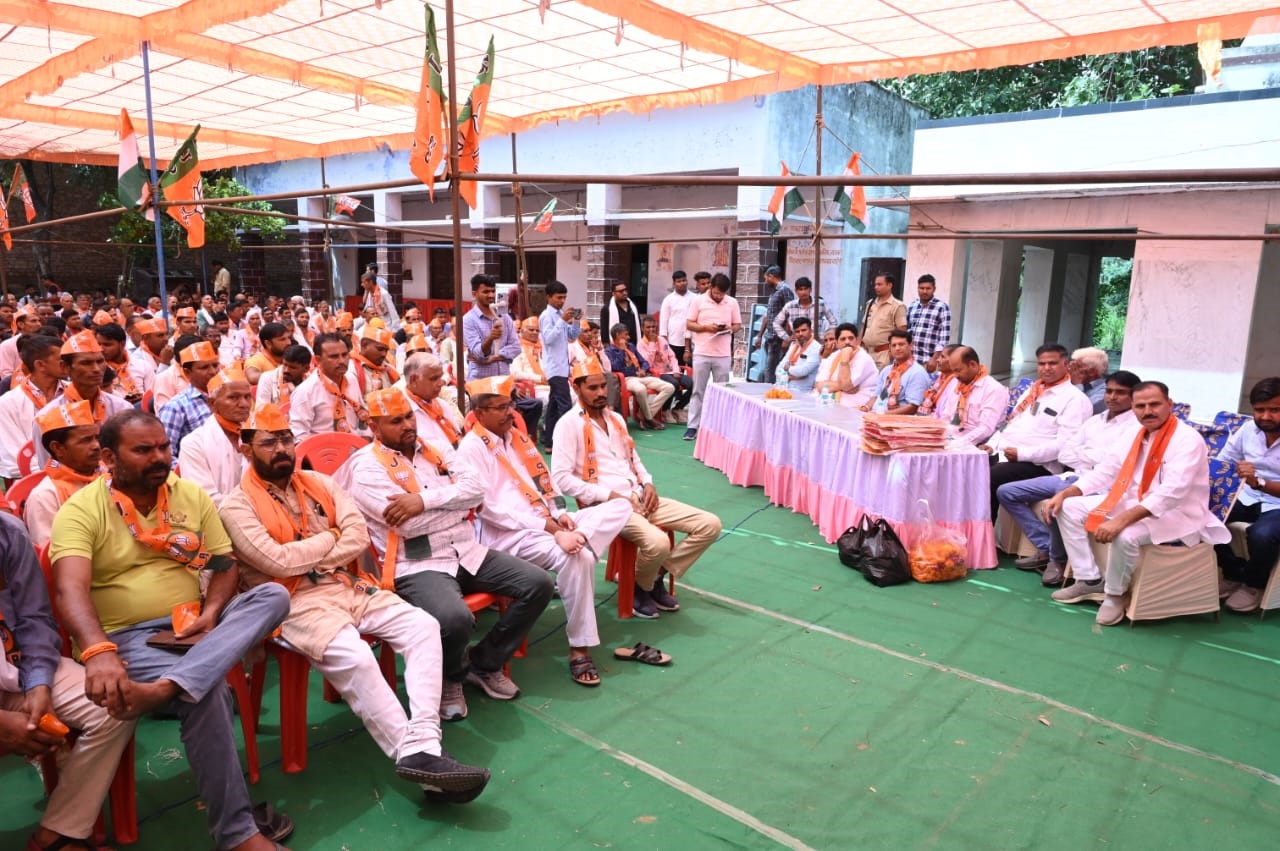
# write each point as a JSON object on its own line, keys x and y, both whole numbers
{"x": 124, "y": 381}
{"x": 340, "y": 402}
{"x": 278, "y": 520}
{"x": 400, "y": 470}
{"x": 894, "y": 385}
{"x": 67, "y": 481}
{"x": 533, "y": 465}
{"x": 589, "y": 464}
{"x": 183, "y": 547}
{"x": 632, "y": 361}
{"x": 435, "y": 410}
{"x": 1033, "y": 394}
{"x": 533, "y": 353}
{"x": 388, "y": 375}
{"x": 1159, "y": 443}
{"x": 373, "y": 301}
{"x": 229, "y": 428}
{"x": 935, "y": 391}
{"x": 796, "y": 352}
{"x": 35, "y": 394}
{"x": 99, "y": 405}
{"x": 962, "y": 396}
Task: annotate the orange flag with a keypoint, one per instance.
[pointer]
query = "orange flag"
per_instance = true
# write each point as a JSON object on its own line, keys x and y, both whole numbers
{"x": 181, "y": 182}
{"x": 428, "y": 134}
{"x": 470, "y": 122}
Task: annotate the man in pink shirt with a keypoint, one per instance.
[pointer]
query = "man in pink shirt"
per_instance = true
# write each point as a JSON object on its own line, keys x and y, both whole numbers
{"x": 713, "y": 318}
{"x": 664, "y": 364}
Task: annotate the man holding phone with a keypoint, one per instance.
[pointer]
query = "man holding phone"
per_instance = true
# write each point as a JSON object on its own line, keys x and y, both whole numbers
{"x": 713, "y": 318}
{"x": 558, "y": 327}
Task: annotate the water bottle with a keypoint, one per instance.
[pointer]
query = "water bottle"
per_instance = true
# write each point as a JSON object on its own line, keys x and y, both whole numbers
{"x": 824, "y": 398}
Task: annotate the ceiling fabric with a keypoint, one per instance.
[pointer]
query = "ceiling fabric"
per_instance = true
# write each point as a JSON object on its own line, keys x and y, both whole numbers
{"x": 282, "y": 79}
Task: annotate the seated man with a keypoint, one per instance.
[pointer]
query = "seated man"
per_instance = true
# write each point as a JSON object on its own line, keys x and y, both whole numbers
{"x": 943, "y": 387}
{"x": 663, "y": 364}
{"x": 1255, "y": 450}
{"x": 625, "y": 360}
{"x": 589, "y": 345}
{"x": 273, "y": 340}
{"x": 333, "y": 604}
{"x": 1153, "y": 491}
{"x": 1088, "y": 373}
{"x": 328, "y": 400}
{"x": 170, "y": 383}
{"x": 130, "y": 381}
{"x": 524, "y": 515}
{"x": 70, "y": 436}
{"x": 1030, "y": 438}
{"x": 86, "y": 370}
{"x": 1083, "y": 450}
{"x": 977, "y": 402}
{"x": 35, "y": 680}
{"x": 799, "y": 363}
{"x": 369, "y": 370}
{"x": 416, "y": 511}
{"x": 209, "y": 456}
{"x": 276, "y": 386}
{"x": 527, "y": 367}
{"x": 42, "y": 362}
{"x": 127, "y": 550}
{"x": 848, "y": 372}
{"x": 187, "y": 411}
{"x": 595, "y": 460}
{"x": 901, "y": 385}
{"x": 439, "y": 421}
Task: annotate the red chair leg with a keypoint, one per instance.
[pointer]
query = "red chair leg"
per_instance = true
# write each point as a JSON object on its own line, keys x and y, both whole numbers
{"x": 248, "y": 722}
{"x": 621, "y": 568}
{"x": 295, "y": 670}
{"x": 124, "y": 799}
{"x": 257, "y": 682}
{"x": 331, "y": 694}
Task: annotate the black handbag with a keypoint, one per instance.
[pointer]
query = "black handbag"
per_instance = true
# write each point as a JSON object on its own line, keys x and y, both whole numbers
{"x": 873, "y": 549}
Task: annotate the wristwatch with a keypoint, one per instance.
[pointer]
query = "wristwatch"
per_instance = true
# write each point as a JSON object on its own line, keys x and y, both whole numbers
{"x": 1262, "y": 483}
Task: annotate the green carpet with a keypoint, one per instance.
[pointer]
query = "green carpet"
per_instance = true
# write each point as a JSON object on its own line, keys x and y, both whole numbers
{"x": 805, "y": 707}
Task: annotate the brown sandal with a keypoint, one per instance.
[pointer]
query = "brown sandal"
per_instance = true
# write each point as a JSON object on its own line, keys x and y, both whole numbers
{"x": 584, "y": 672}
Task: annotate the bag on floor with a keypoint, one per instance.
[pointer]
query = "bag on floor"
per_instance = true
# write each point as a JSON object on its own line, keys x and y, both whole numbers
{"x": 873, "y": 549}
{"x": 939, "y": 554}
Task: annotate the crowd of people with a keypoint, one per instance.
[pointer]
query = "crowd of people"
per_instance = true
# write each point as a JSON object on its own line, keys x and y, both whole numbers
{"x": 171, "y": 468}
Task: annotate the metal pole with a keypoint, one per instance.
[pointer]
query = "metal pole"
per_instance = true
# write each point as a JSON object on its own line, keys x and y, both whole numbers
{"x": 328, "y": 250}
{"x": 819, "y": 217}
{"x": 522, "y": 267}
{"x": 155, "y": 188}
{"x": 455, "y": 203}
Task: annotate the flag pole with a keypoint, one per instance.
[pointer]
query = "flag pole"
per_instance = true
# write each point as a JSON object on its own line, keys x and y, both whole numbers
{"x": 455, "y": 201}
{"x": 155, "y": 187}
{"x": 522, "y": 267}
{"x": 817, "y": 225}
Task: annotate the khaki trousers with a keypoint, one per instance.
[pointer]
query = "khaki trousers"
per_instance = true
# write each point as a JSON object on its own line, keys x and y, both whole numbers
{"x": 654, "y": 550}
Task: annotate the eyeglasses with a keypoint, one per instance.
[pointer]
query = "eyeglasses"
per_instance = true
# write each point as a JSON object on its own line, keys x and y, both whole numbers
{"x": 501, "y": 408}
{"x": 272, "y": 443}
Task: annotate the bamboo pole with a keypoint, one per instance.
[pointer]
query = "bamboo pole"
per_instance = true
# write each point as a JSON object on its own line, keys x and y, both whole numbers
{"x": 522, "y": 265}
{"x": 455, "y": 203}
{"x": 819, "y": 219}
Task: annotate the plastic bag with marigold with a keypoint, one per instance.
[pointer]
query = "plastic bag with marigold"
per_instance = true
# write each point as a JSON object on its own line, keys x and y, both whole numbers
{"x": 938, "y": 555}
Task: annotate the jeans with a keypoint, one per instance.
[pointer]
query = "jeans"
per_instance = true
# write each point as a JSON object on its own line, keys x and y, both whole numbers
{"x": 1011, "y": 471}
{"x": 1264, "y": 546}
{"x": 440, "y": 595}
{"x": 558, "y": 404}
{"x": 530, "y": 410}
{"x": 1017, "y": 499}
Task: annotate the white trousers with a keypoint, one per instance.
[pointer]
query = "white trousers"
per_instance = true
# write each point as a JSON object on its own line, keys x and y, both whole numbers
{"x": 349, "y": 664}
{"x": 640, "y": 385}
{"x": 576, "y": 574}
{"x": 1124, "y": 549}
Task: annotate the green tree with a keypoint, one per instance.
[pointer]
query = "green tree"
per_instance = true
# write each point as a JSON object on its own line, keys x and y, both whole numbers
{"x": 1112, "y": 306}
{"x": 1114, "y": 77}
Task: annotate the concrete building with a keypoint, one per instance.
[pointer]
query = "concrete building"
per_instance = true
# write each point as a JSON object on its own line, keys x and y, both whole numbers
{"x": 656, "y": 229}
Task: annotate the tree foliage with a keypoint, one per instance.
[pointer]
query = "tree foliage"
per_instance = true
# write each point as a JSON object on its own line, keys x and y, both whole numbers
{"x": 135, "y": 232}
{"x": 1137, "y": 75}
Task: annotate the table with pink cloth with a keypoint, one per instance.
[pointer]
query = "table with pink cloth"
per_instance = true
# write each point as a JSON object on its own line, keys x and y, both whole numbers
{"x": 809, "y": 458}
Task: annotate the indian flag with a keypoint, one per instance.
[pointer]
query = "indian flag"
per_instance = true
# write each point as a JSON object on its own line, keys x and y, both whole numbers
{"x": 788, "y": 199}
{"x": 133, "y": 188}
{"x": 181, "y": 182}
{"x": 853, "y": 199}
{"x": 543, "y": 223}
{"x": 470, "y": 122}
{"x": 429, "y": 132}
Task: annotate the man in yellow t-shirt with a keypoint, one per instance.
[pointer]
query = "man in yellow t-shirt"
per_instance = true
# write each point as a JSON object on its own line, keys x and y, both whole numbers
{"x": 129, "y": 547}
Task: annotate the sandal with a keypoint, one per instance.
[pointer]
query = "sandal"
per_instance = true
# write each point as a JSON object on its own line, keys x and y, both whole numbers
{"x": 584, "y": 672}
{"x": 642, "y": 652}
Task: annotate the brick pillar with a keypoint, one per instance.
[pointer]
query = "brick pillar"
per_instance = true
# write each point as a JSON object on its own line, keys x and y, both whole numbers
{"x": 481, "y": 261}
{"x": 313, "y": 274}
{"x": 605, "y": 264}
{"x": 251, "y": 265}
{"x": 754, "y": 256}
{"x": 391, "y": 265}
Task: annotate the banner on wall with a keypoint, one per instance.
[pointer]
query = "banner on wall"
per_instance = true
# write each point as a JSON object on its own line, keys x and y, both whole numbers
{"x": 800, "y": 261}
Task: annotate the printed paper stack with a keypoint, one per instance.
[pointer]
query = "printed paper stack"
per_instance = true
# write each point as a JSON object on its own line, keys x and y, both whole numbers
{"x": 883, "y": 434}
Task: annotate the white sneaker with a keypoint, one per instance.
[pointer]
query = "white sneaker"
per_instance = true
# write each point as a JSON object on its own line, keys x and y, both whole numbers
{"x": 1245, "y": 599}
{"x": 453, "y": 703}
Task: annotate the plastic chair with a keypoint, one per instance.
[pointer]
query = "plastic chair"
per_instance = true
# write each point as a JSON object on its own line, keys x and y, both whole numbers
{"x": 20, "y": 491}
{"x": 26, "y": 458}
{"x": 325, "y": 453}
{"x": 630, "y": 405}
{"x": 620, "y": 567}
{"x": 148, "y": 402}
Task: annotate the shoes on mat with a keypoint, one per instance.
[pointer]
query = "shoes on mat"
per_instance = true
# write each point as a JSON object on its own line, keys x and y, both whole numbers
{"x": 1079, "y": 591}
{"x": 453, "y": 703}
{"x": 494, "y": 683}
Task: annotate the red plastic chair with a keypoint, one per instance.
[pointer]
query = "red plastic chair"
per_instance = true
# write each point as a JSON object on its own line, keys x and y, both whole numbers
{"x": 325, "y": 453}
{"x": 630, "y": 405}
{"x": 26, "y": 457}
{"x": 620, "y": 567}
{"x": 20, "y": 491}
{"x": 149, "y": 402}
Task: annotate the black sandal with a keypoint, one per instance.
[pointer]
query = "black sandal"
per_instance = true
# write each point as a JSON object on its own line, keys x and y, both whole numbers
{"x": 642, "y": 652}
{"x": 584, "y": 671}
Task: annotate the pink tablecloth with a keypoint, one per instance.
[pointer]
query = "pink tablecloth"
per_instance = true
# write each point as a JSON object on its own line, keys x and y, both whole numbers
{"x": 808, "y": 458}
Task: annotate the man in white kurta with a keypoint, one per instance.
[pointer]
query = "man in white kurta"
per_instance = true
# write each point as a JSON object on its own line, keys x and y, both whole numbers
{"x": 28, "y": 394}
{"x": 276, "y": 386}
{"x": 70, "y": 436}
{"x": 526, "y": 517}
{"x": 85, "y": 365}
{"x": 974, "y": 403}
{"x": 439, "y": 421}
{"x": 210, "y": 455}
{"x": 327, "y": 401}
{"x": 595, "y": 460}
{"x": 849, "y": 371}
{"x": 1174, "y": 507}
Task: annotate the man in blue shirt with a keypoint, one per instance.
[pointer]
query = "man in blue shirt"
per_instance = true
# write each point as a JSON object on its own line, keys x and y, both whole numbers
{"x": 557, "y": 326}
{"x": 1255, "y": 449}
{"x": 492, "y": 344}
{"x": 903, "y": 382}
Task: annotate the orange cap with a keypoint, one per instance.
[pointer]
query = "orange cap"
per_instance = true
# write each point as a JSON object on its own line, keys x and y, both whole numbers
{"x": 225, "y": 377}
{"x": 416, "y": 344}
{"x": 266, "y": 417}
{"x": 151, "y": 326}
{"x": 387, "y": 403}
{"x": 494, "y": 385}
{"x": 201, "y": 352}
{"x": 344, "y": 319}
{"x": 583, "y": 368}
{"x": 413, "y": 329}
{"x": 66, "y": 416}
{"x": 186, "y": 313}
{"x": 82, "y": 343}
{"x": 375, "y": 322}
{"x": 102, "y": 318}
{"x": 378, "y": 335}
